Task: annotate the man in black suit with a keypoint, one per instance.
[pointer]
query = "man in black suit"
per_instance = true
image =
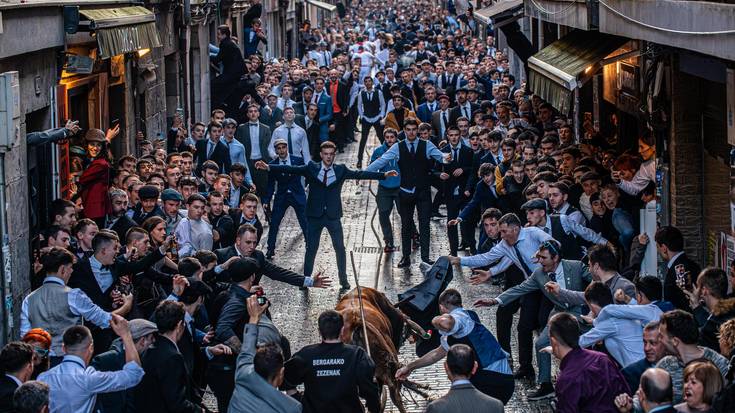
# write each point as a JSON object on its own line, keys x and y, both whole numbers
{"x": 118, "y": 221}
{"x": 16, "y": 362}
{"x": 167, "y": 385}
{"x": 454, "y": 176}
{"x": 310, "y": 123}
{"x": 463, "y": 109}
{"x": 415, "y": 159}
{"x": 255, "y": 137}
{"x": 324, "y": 203}
{"x": 212, "y": 149}
{"x": 233, "y": 66}
{"x": 247, "y": 214}
{"x": 339, "y": 89}
{"x": 245, "y": 244}
{"x": 681, "y": 269}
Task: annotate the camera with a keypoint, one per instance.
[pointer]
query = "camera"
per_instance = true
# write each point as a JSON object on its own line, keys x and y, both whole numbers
{"x": 261, "y": 297}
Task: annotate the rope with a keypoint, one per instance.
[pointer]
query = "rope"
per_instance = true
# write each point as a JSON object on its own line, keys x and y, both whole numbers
{"x": 359, "y": 299}
{"x": 663, "y": 29}
{"x": 551, "y": 13}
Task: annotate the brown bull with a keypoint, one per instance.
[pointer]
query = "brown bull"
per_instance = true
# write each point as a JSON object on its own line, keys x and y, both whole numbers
{"x": 385, "y": 330}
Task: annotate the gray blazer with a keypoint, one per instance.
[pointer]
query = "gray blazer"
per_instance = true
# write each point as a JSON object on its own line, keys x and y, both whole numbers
{"x": 465, "y": 398}
{"x": 252, "y": 393}
{"x": 576, "y": 278}
{"x": 243, "y": 135}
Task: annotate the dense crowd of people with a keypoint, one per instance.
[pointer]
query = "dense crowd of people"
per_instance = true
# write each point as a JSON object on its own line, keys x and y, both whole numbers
{"x": 146, "y": 291}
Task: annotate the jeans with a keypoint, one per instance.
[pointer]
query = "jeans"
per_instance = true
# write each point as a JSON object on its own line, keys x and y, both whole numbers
{"x": 386, "y": 199}
{"x": 314, "y": 228}
{"x": 542, "y": 358}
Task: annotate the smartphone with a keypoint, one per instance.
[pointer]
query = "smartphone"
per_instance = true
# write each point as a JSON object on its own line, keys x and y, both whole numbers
{"x": 114, "y": 123}
{"x": 180, "y": 112}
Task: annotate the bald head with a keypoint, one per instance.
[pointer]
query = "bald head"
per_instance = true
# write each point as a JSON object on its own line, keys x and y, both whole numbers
{"x": 656, "y": 387}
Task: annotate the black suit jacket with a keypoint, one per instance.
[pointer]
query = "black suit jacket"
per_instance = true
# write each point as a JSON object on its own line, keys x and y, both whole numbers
{"x": 456, "y": 113}
{"x": 236, "y": 215}
{"x": 166, "y": 385}
{"x": 7, "y": 388}
{"x": 83, "y": 278}
{"x": 122, "y": 225}
{"x": 267, "y": 268}
{"x": 672, "y": 292}
{"x": 464, "y": 163}
{"x": 221, "y": 155}
{"x": 231, "y": 58}
{"x": 343, "y": 93}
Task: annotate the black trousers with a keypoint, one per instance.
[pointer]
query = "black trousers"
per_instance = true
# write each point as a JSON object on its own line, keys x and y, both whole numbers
{"x": 342, "y": 129}
{"x": 504, "y": 314}
{"x": 455, "y": 203}
{"x": 467, "y": 229}
{"x": 494, "y": 384}
{"x": 420, "y": 201}
{"x": 535, "y": 309}
{"x": 364, "y": 132}
{"x": 222, "y": 383}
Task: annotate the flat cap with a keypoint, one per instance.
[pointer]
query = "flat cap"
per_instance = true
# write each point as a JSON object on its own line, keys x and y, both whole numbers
{"x": 148, "y": 192}
{"x": 443, "y": 97}
{"x": 140, "y": 327}
{"x": 534, "y": 204}
{"x": 95, "y": 135}
{"x": 170, "y": 194}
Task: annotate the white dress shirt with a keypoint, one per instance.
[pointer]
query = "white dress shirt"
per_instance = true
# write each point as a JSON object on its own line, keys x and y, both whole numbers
{"x": 571, "y": 226}
{"x": 103, "y": 276}
{"x": 73, "y": 387}
{"x": 299, "y": 144}
{"x": 331, "y": 177}
{"x": 371, "y": 94}
{"x": 255, "y": 141}
{"x": 79, "y": 304}
{"x": 394, "y": 154}
{"x": 575, "y": 216}
{"x": 463, "y": 326}
{"x": 529, "y": 240}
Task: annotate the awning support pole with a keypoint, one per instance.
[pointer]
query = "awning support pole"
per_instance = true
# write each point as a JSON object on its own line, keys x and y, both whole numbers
{"x": 576, "y": 114}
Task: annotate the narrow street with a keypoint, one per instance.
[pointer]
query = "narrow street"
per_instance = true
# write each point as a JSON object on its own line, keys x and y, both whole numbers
{"x": 295, "y": 312}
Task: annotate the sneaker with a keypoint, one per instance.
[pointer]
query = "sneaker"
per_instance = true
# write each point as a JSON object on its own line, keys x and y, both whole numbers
{"x": 544, "y": 391}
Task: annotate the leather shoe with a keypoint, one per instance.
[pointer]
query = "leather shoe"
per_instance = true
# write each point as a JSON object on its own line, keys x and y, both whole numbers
{"x": 404, "y": 262}
{"x": 270, "y": 254}
{"x": 430, "y": 262}
{"x": 524, "y": 374}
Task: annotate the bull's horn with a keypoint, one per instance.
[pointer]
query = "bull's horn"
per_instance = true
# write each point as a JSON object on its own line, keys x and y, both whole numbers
{"x": 417, "y": 329}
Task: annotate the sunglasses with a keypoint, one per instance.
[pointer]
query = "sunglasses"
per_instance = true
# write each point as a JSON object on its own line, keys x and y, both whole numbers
{"x": 550, "y": 246}
{"x": 41, "y": 352}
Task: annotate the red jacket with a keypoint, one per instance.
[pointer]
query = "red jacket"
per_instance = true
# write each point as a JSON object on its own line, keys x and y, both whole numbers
{"x": 95, "y": 181}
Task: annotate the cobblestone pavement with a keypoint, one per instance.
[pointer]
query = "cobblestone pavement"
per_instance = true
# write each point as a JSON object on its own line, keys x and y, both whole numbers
{"x": 295, "y": 312}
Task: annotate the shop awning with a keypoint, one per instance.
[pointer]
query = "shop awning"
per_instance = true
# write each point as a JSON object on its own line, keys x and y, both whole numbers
{"x": 566, "y": 64}
{"x": 500, "y": 12}
{"x": 123, "y": 29}
{"x": 322, "y": 5}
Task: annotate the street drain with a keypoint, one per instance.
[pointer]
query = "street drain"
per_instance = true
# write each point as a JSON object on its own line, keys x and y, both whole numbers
{"x": 367, "y": 250}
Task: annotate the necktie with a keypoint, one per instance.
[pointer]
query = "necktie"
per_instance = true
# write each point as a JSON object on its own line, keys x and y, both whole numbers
{"x": 370, "y": 96}
{"x": 211, "y": 149}
{"x": 547, "y": 230}
{"x": 552, "y": 276}
{"x": 464, "y": 110}
{"x": 324, "y": 179}
{"x": 444, "y": 119}
{"x": 520, "y": 259}
{"x": 413, "y": 148}
{"x": 290, "y": 144}
{"x": 455, "y": 154}
{"x": 283, "y": 161}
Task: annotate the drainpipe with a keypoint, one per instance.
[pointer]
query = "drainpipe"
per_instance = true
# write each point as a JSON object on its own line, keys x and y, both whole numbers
{"x": 7, "y": 276}
{"x": 187, "y": 60}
